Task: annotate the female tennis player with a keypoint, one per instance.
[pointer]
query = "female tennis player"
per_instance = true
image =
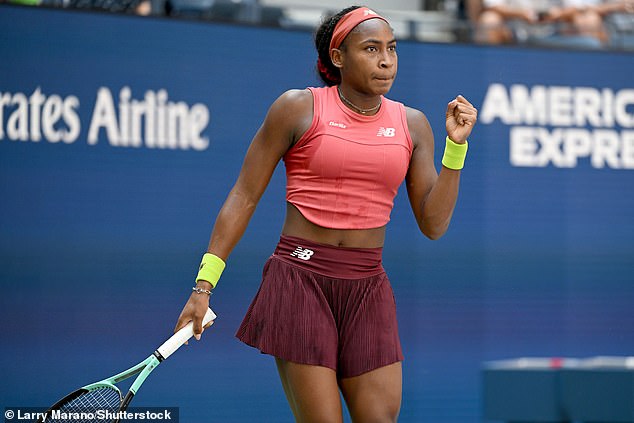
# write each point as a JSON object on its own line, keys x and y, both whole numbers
{"x": 325, "y": 308}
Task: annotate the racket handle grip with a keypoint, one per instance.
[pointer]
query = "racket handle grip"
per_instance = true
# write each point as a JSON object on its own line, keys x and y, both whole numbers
{"x": 182, "y": 336}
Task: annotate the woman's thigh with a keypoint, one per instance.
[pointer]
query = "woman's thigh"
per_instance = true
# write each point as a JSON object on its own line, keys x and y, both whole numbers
{"x": 374, "y": 396}
{"x": 312, "y": 392}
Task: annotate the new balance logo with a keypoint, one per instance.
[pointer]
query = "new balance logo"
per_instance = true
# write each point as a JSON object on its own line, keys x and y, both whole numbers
{"x": 302, "y": 253}
{"x": 386, "y": 132}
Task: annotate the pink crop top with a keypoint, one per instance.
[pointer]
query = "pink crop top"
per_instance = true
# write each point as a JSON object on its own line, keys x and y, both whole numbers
{"x": 345, "y": 171}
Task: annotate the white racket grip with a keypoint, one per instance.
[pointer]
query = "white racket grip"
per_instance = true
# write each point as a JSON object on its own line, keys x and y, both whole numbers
{"x": 182, "y": 336}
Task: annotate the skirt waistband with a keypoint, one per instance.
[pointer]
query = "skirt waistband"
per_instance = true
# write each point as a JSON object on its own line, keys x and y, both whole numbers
{"x": 328, "y": 260}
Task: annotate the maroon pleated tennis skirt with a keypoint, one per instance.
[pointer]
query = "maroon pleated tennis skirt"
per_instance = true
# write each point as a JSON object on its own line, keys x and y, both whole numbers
{"x": 326, "y": 306}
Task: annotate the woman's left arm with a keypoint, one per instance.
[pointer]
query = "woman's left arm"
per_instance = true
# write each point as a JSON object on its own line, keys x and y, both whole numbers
{"x": 432, "y": 195}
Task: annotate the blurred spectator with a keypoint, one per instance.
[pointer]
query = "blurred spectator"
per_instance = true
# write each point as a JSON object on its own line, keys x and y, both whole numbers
{"x": 504, "y": 21}
{"x": 620, "y": 23}
{"x": 582, "y": 21}
{"x": 546, "y": 22}
{"x": 144, "y": 8}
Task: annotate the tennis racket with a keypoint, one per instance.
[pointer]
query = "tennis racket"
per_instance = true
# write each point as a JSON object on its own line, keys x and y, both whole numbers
{"x": 105, "y": 396}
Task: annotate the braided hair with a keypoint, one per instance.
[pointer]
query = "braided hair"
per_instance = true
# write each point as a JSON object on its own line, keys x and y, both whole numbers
{"x": 328, "y": 72}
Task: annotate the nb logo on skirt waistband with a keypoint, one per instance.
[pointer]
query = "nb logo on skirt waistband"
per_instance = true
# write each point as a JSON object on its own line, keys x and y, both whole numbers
{"x": 302, "y": 253}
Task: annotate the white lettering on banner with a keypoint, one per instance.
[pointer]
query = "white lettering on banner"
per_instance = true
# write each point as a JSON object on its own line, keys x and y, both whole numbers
{"x": 151, "y": 122}
{"x": 539, "y": 147}
{"x": 103, "y": 116}
{"x": 559, "y": 125}
{"x": 164, "y": 124}
{"x": 28, "y": 118}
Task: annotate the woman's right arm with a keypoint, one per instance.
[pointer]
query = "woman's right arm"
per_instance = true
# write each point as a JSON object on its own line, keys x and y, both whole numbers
{"x": 287, "y": 119}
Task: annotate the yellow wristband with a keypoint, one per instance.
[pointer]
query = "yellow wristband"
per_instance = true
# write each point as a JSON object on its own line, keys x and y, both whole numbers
{"x": 454, "y": 155}
{"x": 210, "y": 269}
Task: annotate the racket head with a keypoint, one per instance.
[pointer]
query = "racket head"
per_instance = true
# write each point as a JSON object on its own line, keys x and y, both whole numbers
{"x": 96, "y": 396}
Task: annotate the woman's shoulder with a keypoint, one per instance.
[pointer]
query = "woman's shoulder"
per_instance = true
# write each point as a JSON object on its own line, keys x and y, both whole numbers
{"x": 295, "y": 98}
{"x": 292, "y": 102}
{"x": 417, "y": 124}
{"x": 293, "y": 110}
{"x": 414, "y": 114}
{"x": 307, "y": 95}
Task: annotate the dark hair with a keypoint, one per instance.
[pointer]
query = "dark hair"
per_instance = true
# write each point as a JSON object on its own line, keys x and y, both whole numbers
{"x": 328, "y": 72}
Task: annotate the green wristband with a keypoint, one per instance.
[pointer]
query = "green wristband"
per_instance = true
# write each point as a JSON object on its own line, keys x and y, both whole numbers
{"x": 210, "y": 269}
{"x": 454, "y": 154}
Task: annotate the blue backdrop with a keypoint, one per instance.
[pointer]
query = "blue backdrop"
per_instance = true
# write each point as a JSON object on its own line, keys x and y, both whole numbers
{"x": 121, "y": 137}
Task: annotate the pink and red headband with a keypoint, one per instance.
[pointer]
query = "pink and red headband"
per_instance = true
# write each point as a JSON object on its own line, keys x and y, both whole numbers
{"x": 349, "y": 21}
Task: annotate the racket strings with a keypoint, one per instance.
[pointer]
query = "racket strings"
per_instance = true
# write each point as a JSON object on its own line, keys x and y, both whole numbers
{"x": 87, "y": 407}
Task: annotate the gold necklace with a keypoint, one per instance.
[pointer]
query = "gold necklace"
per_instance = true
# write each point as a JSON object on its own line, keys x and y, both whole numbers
{"x": 357, "y": 108}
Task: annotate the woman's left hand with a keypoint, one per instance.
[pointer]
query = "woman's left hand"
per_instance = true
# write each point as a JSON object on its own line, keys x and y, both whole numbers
{"x": 461, "y": 117}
